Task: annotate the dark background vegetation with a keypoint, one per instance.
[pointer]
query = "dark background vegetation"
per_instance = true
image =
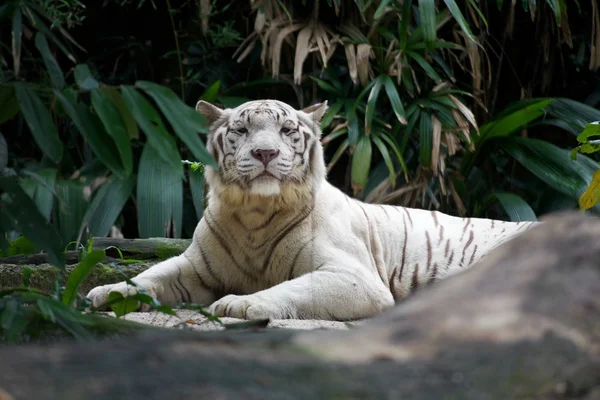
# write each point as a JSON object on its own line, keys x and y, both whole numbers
{"x": 491, "y": 98}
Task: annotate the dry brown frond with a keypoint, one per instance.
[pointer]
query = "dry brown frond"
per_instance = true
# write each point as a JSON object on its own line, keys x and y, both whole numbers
{"x": 276, "y": 48}
{"x": 351, "y": 58}
{"x": 466, "y": 111}
{"x": 302, "y": 50}
{"x": 204, "y": 13}
{"x": 436, "y": 141}
{"x": 363, "y": 53}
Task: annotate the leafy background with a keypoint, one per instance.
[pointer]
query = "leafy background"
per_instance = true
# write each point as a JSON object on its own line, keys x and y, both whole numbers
{"x": 468, "y": 107}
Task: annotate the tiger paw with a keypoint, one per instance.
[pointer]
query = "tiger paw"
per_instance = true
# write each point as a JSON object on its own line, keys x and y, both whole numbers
{"x": 101, "y": 294}
{"x": 245, "y": 307}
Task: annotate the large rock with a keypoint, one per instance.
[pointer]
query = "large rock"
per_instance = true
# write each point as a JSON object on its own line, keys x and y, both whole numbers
{"x": 524, "y": 323}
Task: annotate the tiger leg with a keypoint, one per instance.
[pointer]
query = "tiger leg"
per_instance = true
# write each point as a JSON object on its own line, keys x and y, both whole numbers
{"x": 331, "y": 293}
{"x": 171, "y": 282}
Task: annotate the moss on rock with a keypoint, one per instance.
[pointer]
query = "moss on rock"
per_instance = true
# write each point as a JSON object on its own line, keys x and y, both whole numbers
{"x": 43, "y": 275}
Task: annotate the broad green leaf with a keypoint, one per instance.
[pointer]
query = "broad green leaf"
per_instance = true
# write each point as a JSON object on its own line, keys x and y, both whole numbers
{"x": 394, "y": 97}
{"x": 84, "y": 78}
{"x": 22, "y": 213}
{"x": 458, "y": 16}
{"x": 426, "y": 139}
{"x": 9, "y": 106}
{"x": 17, "y": 34}
{"x": 372, "y": 104}
{"x": 40, "y": 122}
{"x": 515, "y": 207}
{"x": 353, "y": 128}
{"x": 331, "y": 113}
{"x": 80, "y": 274}
{"x": 197, "y": 183}
{"x": 106, "y": 206}
{"x": 90, "y": 127}
{"x": 386, "y": 158}
{"x": 549, "y": 163}
{"x": 211, "y": 93}
{"x": 427, "y": 20}
{"x": 71, "y": 207}
{"x": 122, "y": 305}
{"x": 591, "y": 196}
{"x": 183, "y": 119}
{"x": 20, "y": 245}
{"x": 230, "y": 102}
{"x": 361, "y": 163}
{"x": 152, "y": 125}
{"x": 42, "y": 190}
{"x": 159, "y": 196}
{"x": 119, "y": 103}
{"x": 115, "y": 126}
{"x": 56, "y": 74}
{"x": 573, "y": 112}
{"x": 509, "y": 123}
{"x": 327, "y": 87}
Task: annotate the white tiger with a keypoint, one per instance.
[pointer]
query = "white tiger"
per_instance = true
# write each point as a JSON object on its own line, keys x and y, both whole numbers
{"x": 278, "y": 241}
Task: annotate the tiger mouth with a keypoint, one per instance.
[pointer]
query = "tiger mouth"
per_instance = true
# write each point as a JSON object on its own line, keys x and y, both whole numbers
{"x": 265, "y": 175}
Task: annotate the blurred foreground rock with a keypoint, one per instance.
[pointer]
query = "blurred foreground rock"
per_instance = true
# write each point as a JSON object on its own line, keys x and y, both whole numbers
{"x": 525, "y": 324}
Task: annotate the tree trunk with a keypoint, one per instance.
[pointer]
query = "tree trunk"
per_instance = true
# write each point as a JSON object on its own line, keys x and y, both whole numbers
{"x": 524, "y": 323}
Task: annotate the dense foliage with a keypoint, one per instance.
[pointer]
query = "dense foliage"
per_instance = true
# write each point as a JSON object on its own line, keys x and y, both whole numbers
{"x": 468, "y": 107}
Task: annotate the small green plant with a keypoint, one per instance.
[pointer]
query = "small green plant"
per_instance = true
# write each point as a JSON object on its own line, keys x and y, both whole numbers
{"x": 589, "y": 141}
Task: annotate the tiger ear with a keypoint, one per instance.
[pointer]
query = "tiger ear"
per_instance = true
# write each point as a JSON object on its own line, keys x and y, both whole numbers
{"x": 316, "y": 111}
{"x": 211, "y": 112}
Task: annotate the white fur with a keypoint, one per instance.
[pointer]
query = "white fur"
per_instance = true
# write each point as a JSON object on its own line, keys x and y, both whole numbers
{"x": 291, "y": 245}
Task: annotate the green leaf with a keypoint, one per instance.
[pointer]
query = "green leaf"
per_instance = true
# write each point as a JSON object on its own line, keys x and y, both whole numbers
{"x": 381, "y": 9}
{"x": 56, "y": 74}
{"x": 184, "y": 119}
{"x": 84, "y": 78}
{"x": 119, "y": 103}
{"x": 159, "y": 196}
{"x": 21, "y": 211}
{"x": 372, "y": 104}
{"x": 428, "y": 21}
{"x": 152, "y": 125}
{"x": 17, "y": 34}
{"x": 361, "y": 163}
{"x": 426, "y": 139}
{"x": 330, "y": 114}
{"x": 90, "y": 127}
{"x": 40, "y": 122}
{"x": 353, "y": 128}
{"x": 515, "y": 207}
{"x": 386, "y": 158}
{"x": 394, "y": 97}
{"x": 9, "y": 106}
{"x": 230, "y": 102}
{"x": 80, "y": 274}
{"x": 44, "y": 191}
{"x": 429, "y": 70}
{"x": 509, "y": 123}
{"x": 106, "y": 206}
{"x": 397, "y": 151}
{"x": 115, "y": 126}
{"x": 591, "y": 130}
{"x": 458, "y": 16}
{"x": 211, "y": 93}
{"x": 20, "y": 245}
{"x": 550, "y": 163}
{"x": 197, "y": 183}
{"x": 122, "y": 305}
{"x": 71, "y": 208}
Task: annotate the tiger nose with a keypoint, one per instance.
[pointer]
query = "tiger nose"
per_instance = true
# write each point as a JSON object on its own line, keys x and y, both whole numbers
{"x": 265, "y": 156}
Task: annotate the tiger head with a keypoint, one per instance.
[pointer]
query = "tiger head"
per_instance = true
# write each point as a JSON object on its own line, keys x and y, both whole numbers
{"x": 265, "y": 150}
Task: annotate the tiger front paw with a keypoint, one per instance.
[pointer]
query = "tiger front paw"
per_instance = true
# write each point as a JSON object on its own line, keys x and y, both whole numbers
{"x": 102, "y": 294}
{"x": 246, "y": 307}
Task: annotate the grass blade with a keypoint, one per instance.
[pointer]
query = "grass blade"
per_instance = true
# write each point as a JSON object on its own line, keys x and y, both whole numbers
{"x": 394, "y": 97}
{"x": 458, "y": 16}
{"x": 372, "y": 103}
{"x": 427, "y": 21}
{"x": 80, "y": 274}
{"x": 426, "y": 139}
{"x": 386, "y": 158}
